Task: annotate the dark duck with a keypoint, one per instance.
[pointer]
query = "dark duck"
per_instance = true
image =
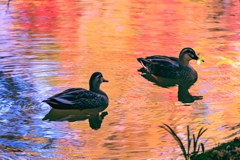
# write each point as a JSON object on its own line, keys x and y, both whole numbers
{"x": 171, "y": 67}
{"x": 79, "y": 98}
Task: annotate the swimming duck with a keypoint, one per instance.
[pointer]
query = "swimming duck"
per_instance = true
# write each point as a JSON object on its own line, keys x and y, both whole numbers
{"x": 171, "y": 67}
{"x": 79, "y": 98}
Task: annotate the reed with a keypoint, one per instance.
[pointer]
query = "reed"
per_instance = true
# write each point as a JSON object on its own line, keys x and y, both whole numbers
{"x": 191, "y": 142}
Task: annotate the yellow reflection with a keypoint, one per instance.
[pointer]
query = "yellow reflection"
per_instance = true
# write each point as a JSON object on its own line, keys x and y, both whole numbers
{"x": 108, "y": 36}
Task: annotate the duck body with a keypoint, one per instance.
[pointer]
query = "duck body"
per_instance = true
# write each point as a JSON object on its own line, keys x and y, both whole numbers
{"x": 171, "y": 67}
{"x": 80, "y": 98}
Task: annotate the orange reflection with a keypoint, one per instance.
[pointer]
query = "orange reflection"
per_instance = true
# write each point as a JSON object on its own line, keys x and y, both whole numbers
{"x": 108, "y": 36}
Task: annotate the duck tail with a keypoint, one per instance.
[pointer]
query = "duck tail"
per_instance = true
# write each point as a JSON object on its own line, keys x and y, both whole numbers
{"x": 47, "y": 100}
{"x": 140, "y": 60}
{"x": 144, "y": 62}
{"x": 52, "y": 103}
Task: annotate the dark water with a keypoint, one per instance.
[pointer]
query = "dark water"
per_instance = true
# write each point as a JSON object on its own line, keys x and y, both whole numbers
{"x": 49, "y": 46}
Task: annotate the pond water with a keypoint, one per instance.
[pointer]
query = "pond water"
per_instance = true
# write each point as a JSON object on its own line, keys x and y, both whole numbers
{"x": 48, "y": 46}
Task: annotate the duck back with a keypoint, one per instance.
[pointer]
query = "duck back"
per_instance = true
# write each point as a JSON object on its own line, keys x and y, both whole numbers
{"x": 168, "y": 67}
{"x": 77, "y": 98}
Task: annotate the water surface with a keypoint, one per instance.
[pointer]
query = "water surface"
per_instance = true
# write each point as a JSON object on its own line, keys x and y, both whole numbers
{"x": 49, "y": 46}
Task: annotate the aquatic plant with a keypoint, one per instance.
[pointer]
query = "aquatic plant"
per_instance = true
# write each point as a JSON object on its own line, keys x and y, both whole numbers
{"x": 229, "y": 150}
{"x": 186, "y": 150}
{"x": 200, "y": 59}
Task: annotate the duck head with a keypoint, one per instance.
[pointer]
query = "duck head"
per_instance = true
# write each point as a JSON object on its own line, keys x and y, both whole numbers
{"x": 188, "y": 54}
{"x": 96, "y": 80}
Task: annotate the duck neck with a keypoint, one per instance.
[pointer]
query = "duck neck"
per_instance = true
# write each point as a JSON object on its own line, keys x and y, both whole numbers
{"x": 94, "y": 87}
{"x": 183, "y": 63}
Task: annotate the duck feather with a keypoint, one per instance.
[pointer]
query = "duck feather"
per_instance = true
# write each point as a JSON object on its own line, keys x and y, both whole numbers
{"x": 78, "y": 98}
{"x": 170, "y": 67}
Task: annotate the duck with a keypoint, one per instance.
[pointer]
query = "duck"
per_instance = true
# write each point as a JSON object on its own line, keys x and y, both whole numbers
{"x": 171, "y": 67}
{"x": 80, "y": 98}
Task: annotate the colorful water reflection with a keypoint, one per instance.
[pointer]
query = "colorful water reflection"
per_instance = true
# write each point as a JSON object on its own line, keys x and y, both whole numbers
{"x": 48, "y": 46}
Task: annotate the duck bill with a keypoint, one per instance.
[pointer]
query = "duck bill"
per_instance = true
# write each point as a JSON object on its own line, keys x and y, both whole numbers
{"x": 104, "y": 80}
{"x": 197, "y": 58}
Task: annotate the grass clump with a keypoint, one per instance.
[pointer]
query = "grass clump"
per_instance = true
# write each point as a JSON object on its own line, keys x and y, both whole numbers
{"x": 192, "y": 142}
{"x": 226, "y": 151}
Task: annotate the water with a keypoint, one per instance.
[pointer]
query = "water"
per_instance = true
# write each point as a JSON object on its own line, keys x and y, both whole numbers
{"x": 49, "y": 46}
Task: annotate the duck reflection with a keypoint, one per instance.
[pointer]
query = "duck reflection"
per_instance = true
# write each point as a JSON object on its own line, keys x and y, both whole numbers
{"x": 95, "y": 116}
{"x": 183, "y": 92}
{"x": 183, "y": 85}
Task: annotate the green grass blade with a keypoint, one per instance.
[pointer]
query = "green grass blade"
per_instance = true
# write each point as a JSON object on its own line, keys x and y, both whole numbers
{"x": 171, "y": 131}
{"x": 189, "y": 146}
{"x": 203, "y": 148}
{"x": 200, "y": 133}
{"x": 189, "y": 140}
{"x": 198, "y": 148}
{"x": 194, "y": 140}
{"x": 194, "y": 144}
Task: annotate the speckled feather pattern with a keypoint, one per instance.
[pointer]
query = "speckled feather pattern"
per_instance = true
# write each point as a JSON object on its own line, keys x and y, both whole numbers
{"x": 168, "y": 67}
{"x": 78, "y": 98}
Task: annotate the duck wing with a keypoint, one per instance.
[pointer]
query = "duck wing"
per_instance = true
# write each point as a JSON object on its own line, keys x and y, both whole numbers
{"x": 172, "y": 59}
{"x": 76, "y": 98}
{"x": 162, "y": 66}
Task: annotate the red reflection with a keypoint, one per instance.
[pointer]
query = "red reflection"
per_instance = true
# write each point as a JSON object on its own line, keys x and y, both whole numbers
{"x": 47, "y": 16}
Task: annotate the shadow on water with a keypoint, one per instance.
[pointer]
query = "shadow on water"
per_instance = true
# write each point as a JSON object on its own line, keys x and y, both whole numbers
{"x": 95, "y": 116}
{"x": 183, "y": 86}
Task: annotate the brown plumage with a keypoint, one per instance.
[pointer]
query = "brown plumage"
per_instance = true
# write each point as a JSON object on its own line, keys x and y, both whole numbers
{"x": 171, "y": 67}
{"x": 79, "y": 98}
